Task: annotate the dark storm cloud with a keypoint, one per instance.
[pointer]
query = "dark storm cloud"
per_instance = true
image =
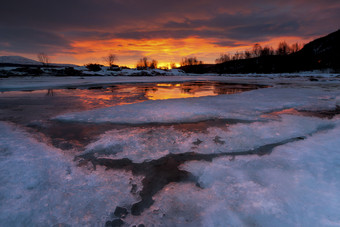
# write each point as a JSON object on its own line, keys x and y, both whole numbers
{"x": 251, "y": 27}
{"x": 27, "y": 40}
{"x": 89, "y": 35}
{"x": 260, "y": 32}
{"x": 88, "y": 13}
{"x": 165, "y": 34}
{"x": 39, "y": 24}
{"x": 226, "y": 43}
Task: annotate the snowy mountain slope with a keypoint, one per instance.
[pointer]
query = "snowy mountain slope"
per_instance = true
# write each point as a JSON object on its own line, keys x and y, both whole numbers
{"x": 18, "y": 60}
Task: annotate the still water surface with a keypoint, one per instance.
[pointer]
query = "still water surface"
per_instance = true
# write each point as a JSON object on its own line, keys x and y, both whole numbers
{"x": 35, "y": 108}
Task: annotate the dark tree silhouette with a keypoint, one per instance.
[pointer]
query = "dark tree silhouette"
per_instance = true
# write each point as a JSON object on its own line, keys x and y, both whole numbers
{"x": 247, "y": 54}
{"x": 189, "y": 61}
{"x": 237, "y": 56}
{"x": 43, "y": 58}
{"x": 173, "y": 65}
{"x": 257, "y": 49}
{"x": 283, "y": 49}
{"x": 267, "y": 51}
{"x": 93, "y": 67}
{"x": 142, "y": 63}
{"x": 110, "y": 59}
{"x": 223, "y": 58}
{"x": 153, "y": 64}
{"x": 295, "y": 47}
{"x": 145, "y": 63}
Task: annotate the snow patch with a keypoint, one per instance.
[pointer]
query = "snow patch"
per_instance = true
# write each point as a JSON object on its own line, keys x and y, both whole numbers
{"x": 297, "y": 185}
{"x": 40, "y": 186}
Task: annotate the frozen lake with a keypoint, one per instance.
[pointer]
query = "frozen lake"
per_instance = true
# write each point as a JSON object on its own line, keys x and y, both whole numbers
{"x": 35, "y": 108}
{"x": 170, "y": 151}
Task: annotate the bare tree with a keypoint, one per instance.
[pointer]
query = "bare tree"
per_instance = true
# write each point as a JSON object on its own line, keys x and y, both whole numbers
{"x": 50, "y": 92}
{"x": 257, "y": 48}
{"x": 43, "y": 58}
{"x": 247, "y": 54}
{"x": 266, "y": 51}
{"x": 110, "y": 59}
{"x": 295, "y": 47}
{"x": 145, "y": 63}
{"x": 153, "y": 64}
{"x": 223, "y": 58}
{"x": 188, "y": 61}
{"x": 237, "y": 56}
{"x": 142, "y": 63}
{"x": 173, "y": 65}
{"x": 283, "y": 49}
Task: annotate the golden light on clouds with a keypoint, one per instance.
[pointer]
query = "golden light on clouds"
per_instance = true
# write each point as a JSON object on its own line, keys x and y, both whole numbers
{"x": 165, "y": 51}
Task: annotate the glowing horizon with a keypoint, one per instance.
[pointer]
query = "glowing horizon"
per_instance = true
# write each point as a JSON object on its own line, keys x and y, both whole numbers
{"x": 165, "y": 51}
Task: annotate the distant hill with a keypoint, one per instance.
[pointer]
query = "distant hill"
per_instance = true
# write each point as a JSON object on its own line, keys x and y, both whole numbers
{"x": 322, "y": 53}
{"x": 22, "y": 61}
{"x": 18, "y": 60}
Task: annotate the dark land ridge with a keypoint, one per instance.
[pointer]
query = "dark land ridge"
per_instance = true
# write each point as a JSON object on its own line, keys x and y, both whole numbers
{"x": 320, "y": 54}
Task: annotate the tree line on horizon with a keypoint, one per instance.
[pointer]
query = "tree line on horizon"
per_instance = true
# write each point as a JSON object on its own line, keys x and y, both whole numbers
{"x": 146, "y": 63}
{"x": 259, "y": 51}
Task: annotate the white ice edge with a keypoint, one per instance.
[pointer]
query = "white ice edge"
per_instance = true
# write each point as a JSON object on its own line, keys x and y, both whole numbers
{"x": 145, "y": 144}
{"x": 244, "y": 106}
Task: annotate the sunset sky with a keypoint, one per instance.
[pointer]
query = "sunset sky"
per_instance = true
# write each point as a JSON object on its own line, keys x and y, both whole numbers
{"x": 83, "y": 31}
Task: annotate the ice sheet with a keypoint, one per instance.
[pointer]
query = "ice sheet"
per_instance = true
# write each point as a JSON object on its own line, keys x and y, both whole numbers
{"x": 144, "y": 144}
{"x": 246, "y": 106}
{"x": 40, "y": 186}
{"x": 297, "y": 185}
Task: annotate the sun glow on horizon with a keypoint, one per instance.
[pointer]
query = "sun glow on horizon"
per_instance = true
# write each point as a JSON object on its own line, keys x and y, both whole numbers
{"x": 167, "y": 52}
{"x": 129, "y": 51}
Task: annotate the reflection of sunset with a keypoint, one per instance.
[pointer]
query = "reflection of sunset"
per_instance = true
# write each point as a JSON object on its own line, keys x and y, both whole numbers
{"x": 175, "y": 93}
{"x": 190, "y": 90}
{"x": 287, "y": 111}
{"x": 103, "y": 97}
{"x": 276, "y": 114}
{"x": 168, "y": 85}
{"x": 123, "y": 94}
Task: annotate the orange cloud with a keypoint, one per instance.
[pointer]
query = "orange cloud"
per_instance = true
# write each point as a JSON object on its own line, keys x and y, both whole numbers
{"x": 129, "y": 50}
{"x": 165, "y": 51}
